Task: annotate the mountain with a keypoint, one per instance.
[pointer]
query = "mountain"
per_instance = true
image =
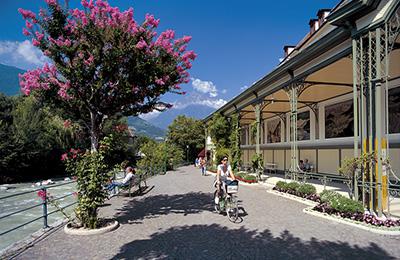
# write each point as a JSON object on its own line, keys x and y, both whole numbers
{"x": 166, "y": 118}
{"x": 9, "y": 82}
{"x": 142, "y": 127}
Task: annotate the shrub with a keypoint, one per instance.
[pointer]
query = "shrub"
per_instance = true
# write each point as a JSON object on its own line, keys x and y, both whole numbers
{"x": 91, "y": 173}
{"x": 280, "y": 185}
{"x": 343, "y": 204}
{"x": 293, "y": 186}
{"x": 250, "y": 178}
{"x": 306, "y": 189}
{"x": 328, "y": 195}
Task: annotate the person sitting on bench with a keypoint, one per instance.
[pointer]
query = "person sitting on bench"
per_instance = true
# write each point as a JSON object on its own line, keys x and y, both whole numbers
{"x": 130, "y": 171}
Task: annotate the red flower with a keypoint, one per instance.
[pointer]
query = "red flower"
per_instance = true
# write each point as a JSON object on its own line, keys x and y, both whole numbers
{"x": 42, "y": 194}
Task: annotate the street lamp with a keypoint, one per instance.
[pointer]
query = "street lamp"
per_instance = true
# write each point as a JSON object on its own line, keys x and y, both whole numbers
{"x": 187, "y": 153}
{"x": 165, "y": 155}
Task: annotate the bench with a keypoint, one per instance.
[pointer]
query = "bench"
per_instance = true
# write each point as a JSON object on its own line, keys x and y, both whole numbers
{"x": 271, "y": 167}
{"x": 139, "y": 181}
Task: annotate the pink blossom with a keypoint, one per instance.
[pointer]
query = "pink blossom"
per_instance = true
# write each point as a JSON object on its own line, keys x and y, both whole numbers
{"x": 39, "y": 36}
{"x": 35, "y": 42}
{"x": 160, "y": 82}
{"x": 42, "y": 194}
{"x": 64, "y": 157}
{"x": 182, "y": 48}
{"x": 26, "y": 32}
{"x": 47, "y": 53}
{"x": 151, "y": 21}
{"x": 51, "y": 2}
{"x": 85, "y": 3}
{"x": 89, "y": 61}
{"x": 26, "y": 14}
{"x": 67, "y": 123}
{"x": 80, "y": 55}
{"x": 28, "y": 25}
{"x": 189, "y": 55}
{"x": 141, "y": 44}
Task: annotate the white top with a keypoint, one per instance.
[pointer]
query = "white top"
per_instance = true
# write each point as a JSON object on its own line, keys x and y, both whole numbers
{"x": 127, "y": 178}
{"x": 224, "y": 174}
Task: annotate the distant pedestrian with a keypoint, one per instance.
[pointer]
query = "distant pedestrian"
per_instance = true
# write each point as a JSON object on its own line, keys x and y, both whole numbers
{"x": 196, "y": 162}
{"x": 203, "y": 164}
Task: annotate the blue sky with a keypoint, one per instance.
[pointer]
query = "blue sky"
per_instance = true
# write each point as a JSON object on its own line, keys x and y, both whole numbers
{"x": 237, "y": 42}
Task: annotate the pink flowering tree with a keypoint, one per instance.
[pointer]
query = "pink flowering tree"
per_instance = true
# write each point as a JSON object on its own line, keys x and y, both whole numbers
{"x": 103, "y": 63}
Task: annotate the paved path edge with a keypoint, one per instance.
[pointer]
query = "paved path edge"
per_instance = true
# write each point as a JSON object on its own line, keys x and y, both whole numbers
{"x": 352, "y": 223}
{"x": 293, "y": 197}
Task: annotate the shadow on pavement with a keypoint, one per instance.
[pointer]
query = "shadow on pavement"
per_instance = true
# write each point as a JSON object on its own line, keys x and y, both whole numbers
{"x": 154, "y": 206}
{"x": 218, "y": 242}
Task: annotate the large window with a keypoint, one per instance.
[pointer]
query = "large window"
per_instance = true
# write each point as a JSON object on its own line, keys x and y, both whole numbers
{"x": 339, "y": 120}
{"x": 303, "y": 126}
{"x": 394, "y": 110}
{"x": 243, "y": 139}
{"x": 274, "y": 131}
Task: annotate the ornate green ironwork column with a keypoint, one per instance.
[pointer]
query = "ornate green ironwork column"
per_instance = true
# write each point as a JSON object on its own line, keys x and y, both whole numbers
{"x": 370, "y": 75}
{"x": 356, "y": 81}
{"x": 257, "y": 110}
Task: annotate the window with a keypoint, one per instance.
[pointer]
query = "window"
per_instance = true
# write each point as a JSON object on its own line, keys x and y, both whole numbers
{"x": 274, "y": 131}
{"x": 394, "y": 110}
{"x": 339, "y": 120}
{"x": 303, "y": 126}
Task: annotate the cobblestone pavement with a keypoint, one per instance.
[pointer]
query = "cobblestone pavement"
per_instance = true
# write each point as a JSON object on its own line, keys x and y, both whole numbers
{"x": 175, "y": 220}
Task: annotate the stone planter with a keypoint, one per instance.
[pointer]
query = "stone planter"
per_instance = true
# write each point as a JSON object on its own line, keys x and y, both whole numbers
{"x": 110, "y": 226}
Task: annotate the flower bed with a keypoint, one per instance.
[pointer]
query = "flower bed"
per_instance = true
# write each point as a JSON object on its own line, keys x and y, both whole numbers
{"x": 302, "y": 190}
{"x": 333, "y": 203}
{"x": 245, "y": 177}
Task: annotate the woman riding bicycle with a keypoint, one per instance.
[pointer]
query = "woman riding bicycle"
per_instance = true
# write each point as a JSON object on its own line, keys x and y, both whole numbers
{"x": 224, "y": 173}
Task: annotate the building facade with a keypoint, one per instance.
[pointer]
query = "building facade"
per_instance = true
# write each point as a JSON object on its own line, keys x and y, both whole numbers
{"x": 335, "y": 95}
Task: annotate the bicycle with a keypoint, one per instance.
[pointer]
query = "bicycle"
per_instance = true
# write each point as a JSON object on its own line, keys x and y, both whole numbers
{"x": 227, "y": 201}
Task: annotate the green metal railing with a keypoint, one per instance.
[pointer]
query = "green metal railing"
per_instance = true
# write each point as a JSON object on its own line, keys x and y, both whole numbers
{"x": 146, "y": 172}
{"x": 43, "y": 204}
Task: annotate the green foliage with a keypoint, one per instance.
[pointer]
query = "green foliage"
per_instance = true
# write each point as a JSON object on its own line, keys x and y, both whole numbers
{"x": 299, "y": 189}
{"x": 220, "y": 130}
{"x": 341, "y": 203}
{"x": 257, "y": 162}
{"x": 31, "y": 134}
{"x": 187, "y": 131}
{"x": 220, "y": 152}
{"x": 293, "y": 186}
{"x": 160, "y": 155}
{"x": 234, "y": 140}
{"x": 249, "y": 177}
{"x": 328, "y": 195}
{"x": 281, "y": 185}
{"x": 92, "y": 174}
{"x": 253, "y": 132}
{"x": 306, "y": 189}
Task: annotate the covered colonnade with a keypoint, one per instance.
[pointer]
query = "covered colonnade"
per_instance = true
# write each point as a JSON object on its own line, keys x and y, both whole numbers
{"x": 334, "y": 96}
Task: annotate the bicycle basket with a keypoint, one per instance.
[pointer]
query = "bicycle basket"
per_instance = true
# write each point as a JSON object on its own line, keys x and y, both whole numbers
{"x": 232, "y": 187}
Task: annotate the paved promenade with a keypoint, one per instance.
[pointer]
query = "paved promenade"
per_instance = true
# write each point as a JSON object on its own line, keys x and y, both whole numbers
{"x": 175, "y": 220}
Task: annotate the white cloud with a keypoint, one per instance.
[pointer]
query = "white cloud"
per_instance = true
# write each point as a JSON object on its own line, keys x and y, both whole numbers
{"x": 21, "y": 54}
{"x": 244, "y": 87}
{"x": 150, "y": 115}
{"x": 205, "y": 87}
{"x": 214, "y": 103}
{"x": 224, "y": 91}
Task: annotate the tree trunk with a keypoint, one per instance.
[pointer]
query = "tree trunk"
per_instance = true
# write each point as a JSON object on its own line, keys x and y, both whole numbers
{"x": 95, "y": 125}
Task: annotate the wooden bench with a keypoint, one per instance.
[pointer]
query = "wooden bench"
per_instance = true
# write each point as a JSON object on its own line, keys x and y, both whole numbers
{"x": 271, "y": 167}
{"x": 139, "y": 181}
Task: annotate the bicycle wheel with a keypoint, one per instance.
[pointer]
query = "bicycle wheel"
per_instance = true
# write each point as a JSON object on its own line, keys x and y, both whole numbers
{"x": 232, "y": 210}
{"x": 216, "y": 205}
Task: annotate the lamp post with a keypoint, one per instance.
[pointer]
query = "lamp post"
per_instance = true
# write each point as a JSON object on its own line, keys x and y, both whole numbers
{"x": 165, "y": 155}
{"x": 187, "y": 153}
